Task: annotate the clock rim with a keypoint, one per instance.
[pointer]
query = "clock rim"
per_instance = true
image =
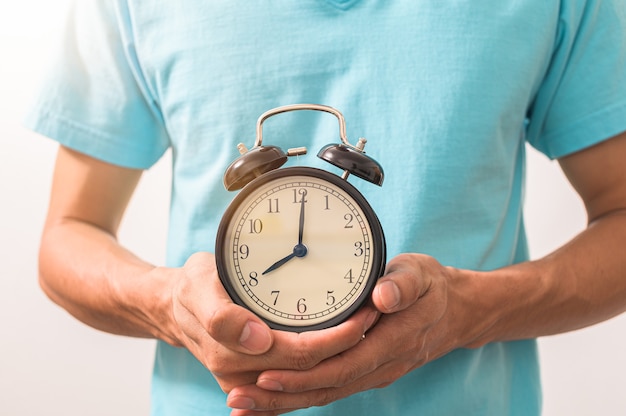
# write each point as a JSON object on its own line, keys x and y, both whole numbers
{"x": 378, "y": 243}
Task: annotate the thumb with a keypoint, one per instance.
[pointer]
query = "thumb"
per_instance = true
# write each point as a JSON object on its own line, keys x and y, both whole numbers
{"x": 229, "y": 324}
{"x": 406, "y": 280}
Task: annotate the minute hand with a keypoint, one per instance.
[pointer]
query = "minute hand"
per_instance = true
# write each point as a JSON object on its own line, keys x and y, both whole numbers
{"x": 301, "y": 225}
{"x": 299, "y": 250}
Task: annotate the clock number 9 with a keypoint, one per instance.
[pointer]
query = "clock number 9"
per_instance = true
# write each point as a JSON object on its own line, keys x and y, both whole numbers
{"x": 244, "y": 250}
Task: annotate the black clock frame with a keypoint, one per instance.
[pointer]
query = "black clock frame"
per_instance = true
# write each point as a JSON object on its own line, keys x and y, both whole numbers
{"x": 378, "y": 242}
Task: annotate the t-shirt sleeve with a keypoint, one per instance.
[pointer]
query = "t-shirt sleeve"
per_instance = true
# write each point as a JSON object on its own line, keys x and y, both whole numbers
{"x": 582, "y": 100}
{"x": 94, "y": 98}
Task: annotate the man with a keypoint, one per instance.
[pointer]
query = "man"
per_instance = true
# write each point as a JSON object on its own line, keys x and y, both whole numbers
{"x": 447, "y": 94}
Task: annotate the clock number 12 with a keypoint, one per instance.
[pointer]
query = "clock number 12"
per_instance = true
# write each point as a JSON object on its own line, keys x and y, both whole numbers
{"x": 302, "y": 192}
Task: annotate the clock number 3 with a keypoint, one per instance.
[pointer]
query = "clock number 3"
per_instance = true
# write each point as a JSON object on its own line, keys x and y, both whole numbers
{"x": 358, "y": 249}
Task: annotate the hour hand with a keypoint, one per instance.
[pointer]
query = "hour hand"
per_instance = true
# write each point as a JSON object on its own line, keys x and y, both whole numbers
{"x": 279, "y": 263}
{"x": 299, "y": 250}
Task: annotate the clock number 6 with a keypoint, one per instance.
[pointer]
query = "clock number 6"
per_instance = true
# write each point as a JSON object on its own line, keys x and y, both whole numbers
{"x": 301, "y": 305}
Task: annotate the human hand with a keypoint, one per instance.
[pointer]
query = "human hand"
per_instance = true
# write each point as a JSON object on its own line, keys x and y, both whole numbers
{"x": 424, "y": 319}
{"x": 236, "y": 345}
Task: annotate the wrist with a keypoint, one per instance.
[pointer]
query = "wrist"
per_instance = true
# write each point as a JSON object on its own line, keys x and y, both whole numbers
{"x": 148, "y": 298}
{"x": 504, "y": 302}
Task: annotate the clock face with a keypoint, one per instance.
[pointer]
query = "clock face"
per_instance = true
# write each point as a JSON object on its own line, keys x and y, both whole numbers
{"x": 301, "y": 248}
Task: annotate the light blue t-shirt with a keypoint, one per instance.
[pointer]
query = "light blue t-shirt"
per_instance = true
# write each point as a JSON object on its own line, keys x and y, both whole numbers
{"x": 447, "y": 92}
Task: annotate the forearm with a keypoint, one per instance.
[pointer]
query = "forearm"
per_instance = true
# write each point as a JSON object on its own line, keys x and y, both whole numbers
{"x": 87, "y": 272}
{"x": 580, "y": 284}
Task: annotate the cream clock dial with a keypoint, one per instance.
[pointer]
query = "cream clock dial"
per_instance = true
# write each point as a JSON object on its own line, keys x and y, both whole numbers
{"x": 301, "y": 248}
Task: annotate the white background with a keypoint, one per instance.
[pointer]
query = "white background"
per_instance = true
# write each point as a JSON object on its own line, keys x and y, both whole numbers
{"x": 51, "y": 364}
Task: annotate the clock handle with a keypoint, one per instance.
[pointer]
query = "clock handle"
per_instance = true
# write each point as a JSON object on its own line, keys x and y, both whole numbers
{"x": 262, "y": 159}
{"x": 351, "y": 159}
{"x": 298, "y": 107}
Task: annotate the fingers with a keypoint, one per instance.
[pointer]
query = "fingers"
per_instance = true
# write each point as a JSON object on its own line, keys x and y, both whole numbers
{"x": 353, "y": 366}
{"x": 257, "y": 398}
{"x": 204, "y": 298}
{"x": 277, "y": 390}
{"x": 240, "y": 412}
{"x": 412, "y": 294}
{"x": 239, "y": 330}
{"x": 337, "y": 371}
{"x": 236, "y": 345}
{"x": 290, "y": 351}
{"x": 303, "y": 351}
{"x": 407, "y": 278}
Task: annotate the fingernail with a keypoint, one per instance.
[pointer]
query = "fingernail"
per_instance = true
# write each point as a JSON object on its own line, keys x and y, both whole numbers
{"x": 389, "y": 294}
{"x": 241, "y": 402}
{"x": 371, "y": 320}
{"x": 255, "y": 337}
{"x": 268, "y": 384}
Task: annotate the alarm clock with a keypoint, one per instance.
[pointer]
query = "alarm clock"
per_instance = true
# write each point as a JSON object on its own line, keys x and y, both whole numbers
{"x": 300, "y": 247}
